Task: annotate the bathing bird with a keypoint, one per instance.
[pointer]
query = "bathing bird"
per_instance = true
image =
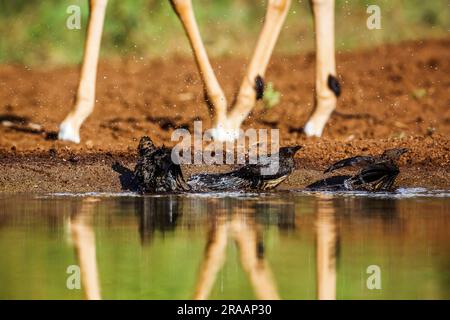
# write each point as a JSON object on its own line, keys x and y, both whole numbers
{"x": 376, "y": 173}
{"x": 263, "y": 175}
{"x": 156, "y": 171}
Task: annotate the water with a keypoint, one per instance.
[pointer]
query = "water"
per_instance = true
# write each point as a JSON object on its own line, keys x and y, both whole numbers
{"x": 287, "y": 245}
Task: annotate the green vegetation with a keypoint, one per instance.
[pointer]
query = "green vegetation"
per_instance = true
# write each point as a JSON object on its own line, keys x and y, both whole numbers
{"x": 271, "y": 96}
{"x": 34, "y": 32}
{"x": 419, "y": 93}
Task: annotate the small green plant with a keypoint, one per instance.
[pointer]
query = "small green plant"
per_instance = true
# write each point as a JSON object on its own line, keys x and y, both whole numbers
{"x": 419, "y": 93}
{"x": 271, "y": 96}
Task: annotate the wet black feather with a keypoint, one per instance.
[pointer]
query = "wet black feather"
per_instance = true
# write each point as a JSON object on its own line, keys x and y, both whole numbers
{"x": 377, "y": 173}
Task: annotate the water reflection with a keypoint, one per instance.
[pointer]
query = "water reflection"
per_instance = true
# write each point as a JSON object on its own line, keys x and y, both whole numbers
{"x": 230, "y": 220}
{"x": 326, "y": 248}
{"x": 156, "y": 214}
{"x": 286, "y": 245}
{"x": 241, "y": 227}
{"x": 83, "y": 239}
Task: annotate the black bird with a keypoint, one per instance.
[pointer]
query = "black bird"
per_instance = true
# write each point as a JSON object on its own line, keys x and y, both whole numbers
{"x": 377, "y": 173}
{"x": 155, "y": 171}
{"x": 249, "y": 176}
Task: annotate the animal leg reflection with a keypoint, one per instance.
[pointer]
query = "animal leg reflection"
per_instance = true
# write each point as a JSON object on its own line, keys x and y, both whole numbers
{"x": 247, "y": 240}
{"x": 214, "y": 259}
{"x": 84, "y": 243}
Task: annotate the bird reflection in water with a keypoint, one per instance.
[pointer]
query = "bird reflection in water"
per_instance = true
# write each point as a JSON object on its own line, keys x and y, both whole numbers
{"x": 157, "y": 214}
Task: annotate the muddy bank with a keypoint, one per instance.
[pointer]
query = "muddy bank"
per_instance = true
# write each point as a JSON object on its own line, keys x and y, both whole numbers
{"x": 107, "y": 172}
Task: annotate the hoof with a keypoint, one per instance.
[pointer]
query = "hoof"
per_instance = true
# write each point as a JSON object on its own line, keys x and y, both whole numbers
{"x": 221, "y": 134}
{"x": 313, "y": 129}
{"x": 68, "y": 133}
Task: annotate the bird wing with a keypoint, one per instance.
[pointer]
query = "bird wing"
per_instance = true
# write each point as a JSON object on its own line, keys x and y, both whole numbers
{"x": 358, "y": 161}
{"x": 334, "y": 183}
{"x": 217, "y": 182}
{"x": 380, "y": 177}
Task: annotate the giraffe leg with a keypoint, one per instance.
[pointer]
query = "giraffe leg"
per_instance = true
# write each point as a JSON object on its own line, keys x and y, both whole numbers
{"x": 69, "y": 129}
{"x": 214, "y": 93}
{"x": 248, "y": 92}
{"x": 327, "y": 86}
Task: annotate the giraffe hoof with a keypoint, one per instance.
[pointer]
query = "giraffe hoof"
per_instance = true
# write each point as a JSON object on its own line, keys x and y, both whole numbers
{"x": 311, "y": 129}
{"x": 68, "y": 133}
{"x": 222, "y": 134}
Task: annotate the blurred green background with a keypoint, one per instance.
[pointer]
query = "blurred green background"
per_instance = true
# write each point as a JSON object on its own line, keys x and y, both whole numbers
{"x": 34, "y": 31}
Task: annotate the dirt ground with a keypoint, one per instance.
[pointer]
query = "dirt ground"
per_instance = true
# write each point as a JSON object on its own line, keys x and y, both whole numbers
{"x": 394, "y": 95}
